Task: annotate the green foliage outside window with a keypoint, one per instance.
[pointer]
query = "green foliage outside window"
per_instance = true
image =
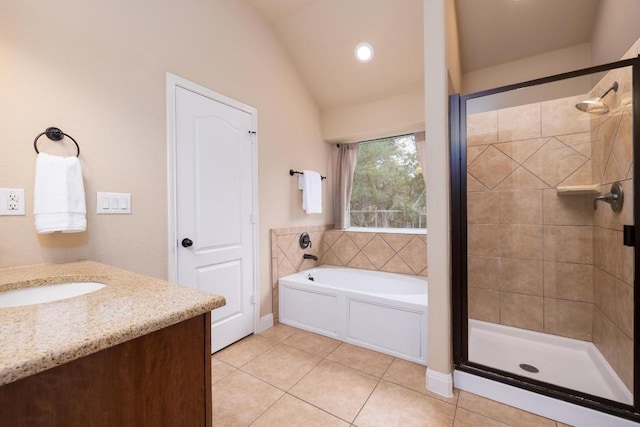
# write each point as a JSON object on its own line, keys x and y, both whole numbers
{"x": 388, "y": 187}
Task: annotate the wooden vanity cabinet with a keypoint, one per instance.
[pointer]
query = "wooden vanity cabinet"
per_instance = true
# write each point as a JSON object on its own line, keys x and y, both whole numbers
{"x": 160, "y": 379}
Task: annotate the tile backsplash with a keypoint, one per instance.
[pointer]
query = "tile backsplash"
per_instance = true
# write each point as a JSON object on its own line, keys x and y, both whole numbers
{"x": 390, "y": 252}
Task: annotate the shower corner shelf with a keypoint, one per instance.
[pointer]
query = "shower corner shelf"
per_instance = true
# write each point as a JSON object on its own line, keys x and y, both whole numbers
{"x": 578, "y": 190}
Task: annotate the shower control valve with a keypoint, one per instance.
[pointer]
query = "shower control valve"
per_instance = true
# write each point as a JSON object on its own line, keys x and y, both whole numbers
{"x": 615, "y": 198}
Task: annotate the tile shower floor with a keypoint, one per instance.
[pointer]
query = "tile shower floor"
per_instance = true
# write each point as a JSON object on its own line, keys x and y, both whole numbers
{"x": 289, "y": 377}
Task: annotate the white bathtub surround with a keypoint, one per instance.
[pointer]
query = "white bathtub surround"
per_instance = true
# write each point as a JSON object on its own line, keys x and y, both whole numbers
{"x": 545, "y": 406}
{"x": 440, "y": 383}
{"x": 566, "y": 362}
{"x": 389, "y": 252}
{"x": 386, "y": 312}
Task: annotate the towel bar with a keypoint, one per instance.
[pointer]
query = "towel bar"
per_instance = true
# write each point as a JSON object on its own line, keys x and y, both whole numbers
{"x": 292, "y": 172}
{"x": 55, "y": 134}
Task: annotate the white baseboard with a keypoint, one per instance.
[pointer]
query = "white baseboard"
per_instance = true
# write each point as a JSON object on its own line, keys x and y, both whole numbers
{"x": 264, "y": 323}
{"x": 440, "y": 383}
{"x": 537, "y": 403}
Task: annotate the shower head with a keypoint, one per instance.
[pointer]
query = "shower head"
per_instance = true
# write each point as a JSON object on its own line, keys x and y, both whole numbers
{"x": 597, "y": 105}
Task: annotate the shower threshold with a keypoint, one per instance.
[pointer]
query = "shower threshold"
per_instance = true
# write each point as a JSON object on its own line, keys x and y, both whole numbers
{"x": 565, "y": 362}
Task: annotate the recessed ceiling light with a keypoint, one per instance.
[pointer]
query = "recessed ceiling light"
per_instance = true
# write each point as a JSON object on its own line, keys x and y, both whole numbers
{"x": 363, "y": 52}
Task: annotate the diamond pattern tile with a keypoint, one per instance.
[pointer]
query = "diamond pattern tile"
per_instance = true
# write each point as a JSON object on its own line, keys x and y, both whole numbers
{"x": 554, "y": 162}
{"x": 581, "y": 142}
{"x": 361, "y": 239}
{"x": 284, "y": 242}
{"x": 623, "y": 143}
{"x": 602, "y": 146}
{"x": 294, "y": 254}
{"x": 285, "y": 267}
{"x": 491, "y": 167}
{"x": 580, "y": 177}
{"x": 397, "y": 241}
{"x": 474, "y": 152}
{"x": 612, "y": 172}
{"x": 521, "y": 179}
{"x": 474, "y": 185}
{"x": 330, "y": 236}
{"x": 378, "y": 251}
{"x": 415, "y": 255}
{"x": 397, "y": 265}
{"x": 521, "y": 150}
{"x": 345, "y": 249}
{"x": 330, "y": 258}
{"x": 361, "y": 261}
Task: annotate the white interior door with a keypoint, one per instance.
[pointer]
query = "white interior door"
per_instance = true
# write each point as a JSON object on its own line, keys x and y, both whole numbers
{"x": 215, "y": 208}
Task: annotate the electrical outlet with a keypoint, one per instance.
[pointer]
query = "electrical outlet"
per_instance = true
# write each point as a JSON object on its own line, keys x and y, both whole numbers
{"x": 11, "y": 201}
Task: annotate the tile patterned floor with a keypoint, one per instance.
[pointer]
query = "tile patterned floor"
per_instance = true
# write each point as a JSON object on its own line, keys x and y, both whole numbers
{"x": 289, "y": 377}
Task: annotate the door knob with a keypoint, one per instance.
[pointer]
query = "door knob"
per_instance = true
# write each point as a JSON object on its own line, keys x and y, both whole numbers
{"x": 187, "y": 242}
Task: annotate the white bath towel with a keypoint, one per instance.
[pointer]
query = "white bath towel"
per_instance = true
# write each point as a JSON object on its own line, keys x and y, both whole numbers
{"x": 310, "y": 182}
{"x": 58, "y": 196}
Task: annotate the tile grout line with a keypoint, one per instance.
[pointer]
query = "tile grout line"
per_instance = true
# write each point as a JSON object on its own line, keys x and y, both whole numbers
{"x": 305, "y": 375}
{"x": 368, "y": 397}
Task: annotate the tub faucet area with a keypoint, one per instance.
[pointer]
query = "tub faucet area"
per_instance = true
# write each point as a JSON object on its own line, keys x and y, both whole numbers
{"x": 310, "y": 256}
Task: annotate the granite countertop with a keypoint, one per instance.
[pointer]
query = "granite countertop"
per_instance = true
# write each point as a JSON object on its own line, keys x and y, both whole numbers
{"x": 38, "y": 337}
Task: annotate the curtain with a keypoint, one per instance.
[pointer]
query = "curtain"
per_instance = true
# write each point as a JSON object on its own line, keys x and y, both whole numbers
{"x": 347, "y": 158}
{"x": 421, "y": 149}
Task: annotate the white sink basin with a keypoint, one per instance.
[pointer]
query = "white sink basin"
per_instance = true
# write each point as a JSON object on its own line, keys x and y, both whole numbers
{"x": 46, "y": 293}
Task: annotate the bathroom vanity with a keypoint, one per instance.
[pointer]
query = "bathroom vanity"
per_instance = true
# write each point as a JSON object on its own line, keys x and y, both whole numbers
{"x": 136, "y": 352}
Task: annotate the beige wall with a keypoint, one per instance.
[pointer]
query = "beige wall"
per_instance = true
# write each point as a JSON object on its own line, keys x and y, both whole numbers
{"x": 397, "y": 114}
{"x": 615, "y": 30}
{"x": 97, "y": 70}
{"x": 453, "y": 47}
{"x": 533, "y": 67}
{"x": 436, "y": 140}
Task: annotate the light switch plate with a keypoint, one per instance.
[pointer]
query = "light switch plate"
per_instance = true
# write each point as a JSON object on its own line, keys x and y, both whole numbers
{"x": 113, "y": 203}
{"x": 12, "y": 201}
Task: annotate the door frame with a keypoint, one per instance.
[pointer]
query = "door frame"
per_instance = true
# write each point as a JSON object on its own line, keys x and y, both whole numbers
{"x": 172, "y": 82}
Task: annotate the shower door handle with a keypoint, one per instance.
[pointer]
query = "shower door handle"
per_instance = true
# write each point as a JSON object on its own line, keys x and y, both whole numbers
{"x": 629, "y": 235}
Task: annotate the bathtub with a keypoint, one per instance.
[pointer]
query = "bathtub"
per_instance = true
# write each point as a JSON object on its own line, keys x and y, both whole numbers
{"x": 385, "y": 312}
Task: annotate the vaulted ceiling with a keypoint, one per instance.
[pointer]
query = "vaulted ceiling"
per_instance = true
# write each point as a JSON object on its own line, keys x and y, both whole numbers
{"x": 320, "y": 37}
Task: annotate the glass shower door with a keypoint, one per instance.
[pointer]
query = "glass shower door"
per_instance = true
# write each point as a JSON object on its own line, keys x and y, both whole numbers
{"x": 547, "y": 189}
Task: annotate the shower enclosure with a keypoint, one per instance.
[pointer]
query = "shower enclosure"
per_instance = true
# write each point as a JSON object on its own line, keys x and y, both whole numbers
{"x": 544, "y": 204}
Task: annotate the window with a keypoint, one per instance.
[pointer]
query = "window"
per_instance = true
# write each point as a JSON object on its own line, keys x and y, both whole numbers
{"x": 388, "y": 187}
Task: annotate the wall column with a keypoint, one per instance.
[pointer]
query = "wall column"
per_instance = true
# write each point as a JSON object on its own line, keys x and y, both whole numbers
{"x": 439, "y": 372}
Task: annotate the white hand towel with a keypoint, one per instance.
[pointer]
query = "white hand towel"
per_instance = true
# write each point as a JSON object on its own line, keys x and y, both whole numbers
{"x": 58, "y": 196}
{"x": 310, "y": 182}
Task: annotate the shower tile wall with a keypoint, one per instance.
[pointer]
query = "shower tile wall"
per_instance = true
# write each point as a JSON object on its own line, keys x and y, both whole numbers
{"x": 390, "y": 252}
{"x": 613, "y": 262}
{"x": 530, "y": 250}
{"x": 545, "y": 262}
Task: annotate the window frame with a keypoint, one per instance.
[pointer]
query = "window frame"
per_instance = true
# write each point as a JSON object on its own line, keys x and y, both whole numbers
{"x": 389, "y": 230}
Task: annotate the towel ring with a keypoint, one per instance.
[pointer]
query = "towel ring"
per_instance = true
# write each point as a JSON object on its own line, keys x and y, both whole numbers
{"x": 55, "y": 134}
